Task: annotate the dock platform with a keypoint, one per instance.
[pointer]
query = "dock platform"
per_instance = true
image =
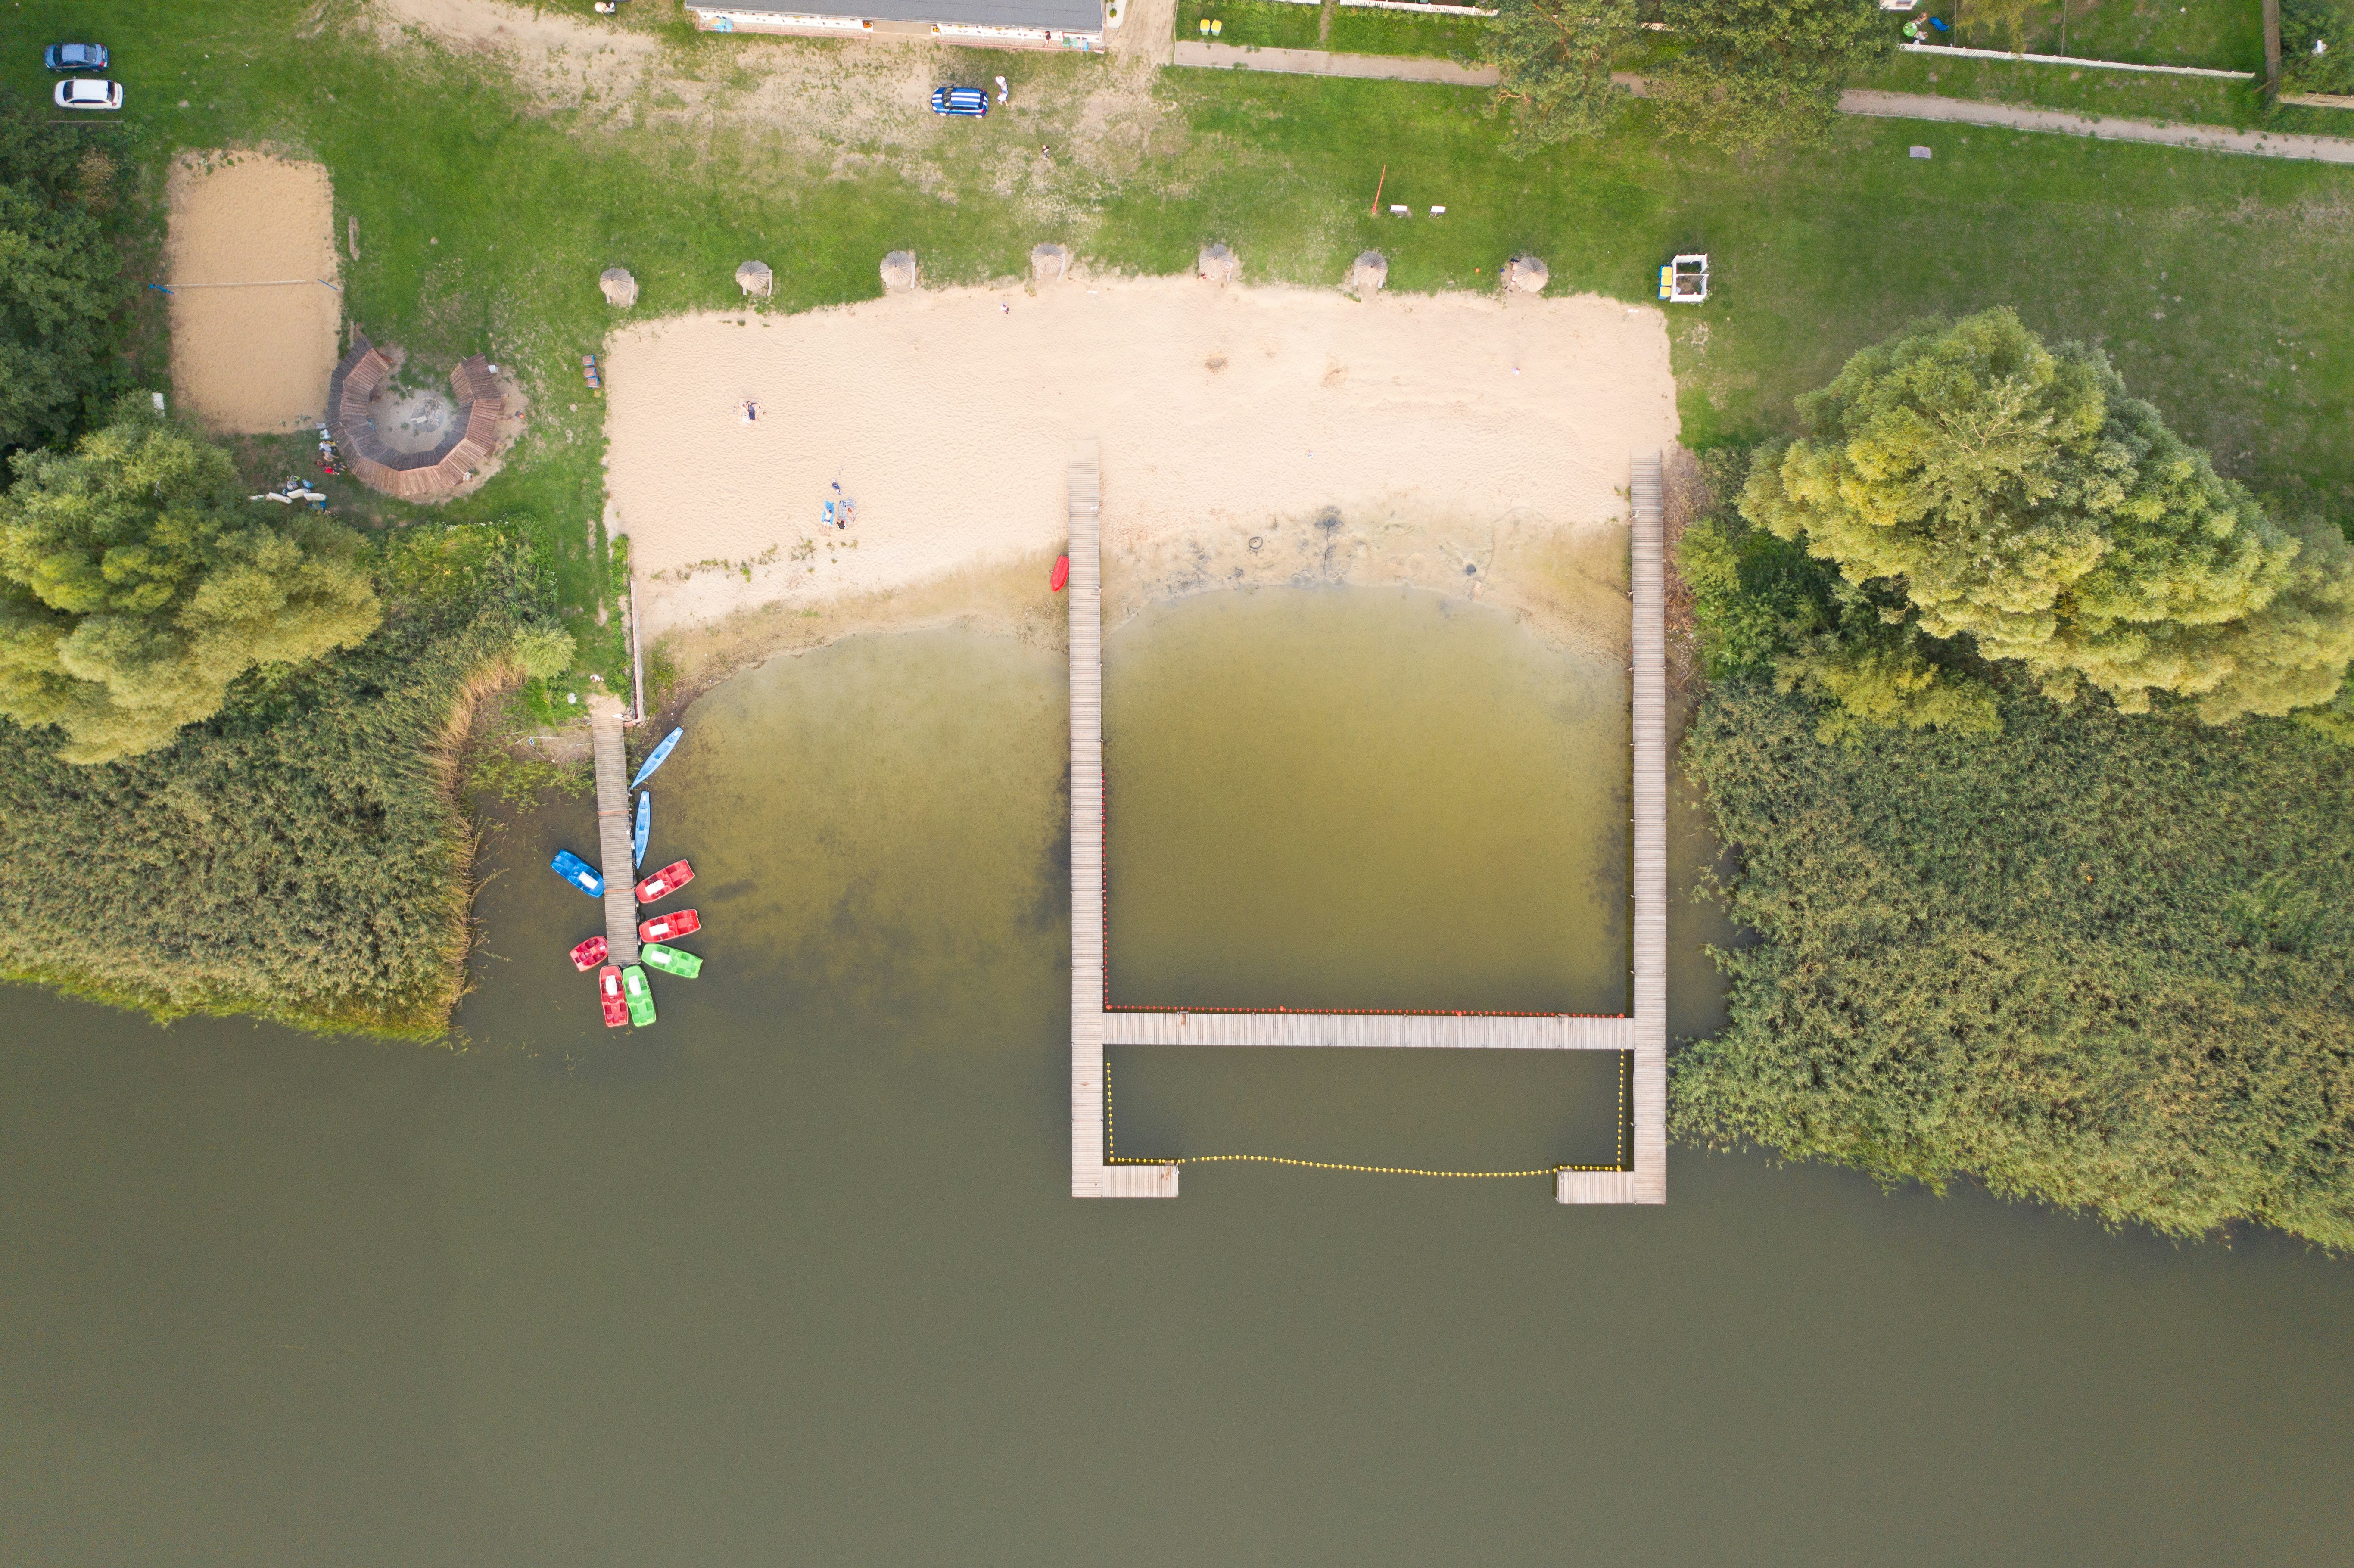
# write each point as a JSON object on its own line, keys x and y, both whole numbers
{"x": 619, "y": 865}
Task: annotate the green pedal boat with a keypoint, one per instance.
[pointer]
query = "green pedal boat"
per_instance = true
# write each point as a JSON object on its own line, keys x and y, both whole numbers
{"x": 639, "y": 995}
{"x": 671, "y": 960}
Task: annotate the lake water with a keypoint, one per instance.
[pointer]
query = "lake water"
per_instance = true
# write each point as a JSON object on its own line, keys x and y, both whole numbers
{"x": 792, "y": 1278}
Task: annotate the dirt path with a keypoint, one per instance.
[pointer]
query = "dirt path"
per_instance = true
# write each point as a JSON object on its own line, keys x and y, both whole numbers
{"x": 2069, "y": 123}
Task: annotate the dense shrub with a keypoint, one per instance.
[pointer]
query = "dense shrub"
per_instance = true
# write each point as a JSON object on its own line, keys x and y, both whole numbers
{"x": 60, "y": 280}
{"x": 299, "y": 854}
{"x": 2097, "y": 959}
{"x": 2329, "y": 23}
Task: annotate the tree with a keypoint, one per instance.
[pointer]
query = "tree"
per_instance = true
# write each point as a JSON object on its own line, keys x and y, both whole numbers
{"x": 1552, "y": 60}
{"x": 2015, "y": 495}
{"x": 1758, "y": 72}
{"x": 1762, "y": 606}
{"x": 137, "y": 584}
{"x": 59, "y": 282}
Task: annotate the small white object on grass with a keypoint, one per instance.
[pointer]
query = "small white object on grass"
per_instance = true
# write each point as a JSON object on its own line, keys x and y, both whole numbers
{"x": 1921, "y": 152}
{"x": 1401, "y": 212}
{"x": 1438, "y": 212}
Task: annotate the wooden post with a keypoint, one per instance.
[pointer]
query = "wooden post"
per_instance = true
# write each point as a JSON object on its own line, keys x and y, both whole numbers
{"x": 2272, "y": 49}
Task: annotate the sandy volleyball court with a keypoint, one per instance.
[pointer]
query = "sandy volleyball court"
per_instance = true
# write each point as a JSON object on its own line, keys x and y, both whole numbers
{"x": 1248, "y": 435}
{"x": 253, "y": 326}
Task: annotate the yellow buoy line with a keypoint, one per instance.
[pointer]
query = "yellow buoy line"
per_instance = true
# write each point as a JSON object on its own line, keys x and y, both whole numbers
{"x": 1113, "y": 1156}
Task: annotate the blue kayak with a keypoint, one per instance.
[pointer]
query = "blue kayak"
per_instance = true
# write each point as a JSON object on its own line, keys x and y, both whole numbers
{"x": 578, "y": 872}
{"x": 661, "y": 755}
{"x": 638, "y": 835}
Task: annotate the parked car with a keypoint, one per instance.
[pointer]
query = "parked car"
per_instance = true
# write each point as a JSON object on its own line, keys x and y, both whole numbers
{"x": 75, "y": 57}
{"x": 665, "y": 882}
{"x": 969, "y": 100}
{"x": 89, "y": 92}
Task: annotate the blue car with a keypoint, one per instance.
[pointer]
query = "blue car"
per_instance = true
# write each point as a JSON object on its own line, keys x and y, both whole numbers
{"x": 75, "y": 57}
{"x": 969, "y": 100}
{"x": 578, "y": 872}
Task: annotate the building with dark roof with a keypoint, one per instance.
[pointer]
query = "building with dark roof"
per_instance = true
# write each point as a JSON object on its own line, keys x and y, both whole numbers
{"x": 1004, "y": 24}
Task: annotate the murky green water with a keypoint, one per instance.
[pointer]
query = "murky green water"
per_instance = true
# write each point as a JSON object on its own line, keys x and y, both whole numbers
{"x": 791, "y": 1277}
{"x": 1363, "y": 800}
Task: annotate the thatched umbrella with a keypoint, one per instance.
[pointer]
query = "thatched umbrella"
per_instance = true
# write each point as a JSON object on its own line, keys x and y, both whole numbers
{"x": 1527, "y": 274}
{"x": 754, "y": 277}
{"x": 620, "y": 289}
{"x": 1049, "y": 262}
{"x": 1218, "y": 264}
{"x": 899, "y": 270}
{"x": 1371, "y": 272}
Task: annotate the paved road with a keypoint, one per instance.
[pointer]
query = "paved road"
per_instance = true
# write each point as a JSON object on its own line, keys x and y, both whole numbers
{"x": 1878, "y": 105}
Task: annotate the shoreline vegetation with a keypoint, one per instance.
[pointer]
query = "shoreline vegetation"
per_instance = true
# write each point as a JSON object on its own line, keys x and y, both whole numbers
{"x": 2020, "y": 734}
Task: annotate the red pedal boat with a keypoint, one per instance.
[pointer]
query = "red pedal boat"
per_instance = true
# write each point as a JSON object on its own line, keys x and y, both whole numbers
{"x": 669, "y": 928}
{"x": 1062, "y": 574}
{"x": 608, "y": 991}
{"x": 588, "y": 954}
{"x": 665, "y": 882}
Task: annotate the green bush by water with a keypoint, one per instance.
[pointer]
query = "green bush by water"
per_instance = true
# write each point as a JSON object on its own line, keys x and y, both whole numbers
{"x": 299, "y": 855}
{"x": 2098, "y": 960}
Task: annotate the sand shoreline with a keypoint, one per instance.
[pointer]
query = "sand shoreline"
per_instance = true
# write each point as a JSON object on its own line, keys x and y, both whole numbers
{"x": 1471, "y": 445}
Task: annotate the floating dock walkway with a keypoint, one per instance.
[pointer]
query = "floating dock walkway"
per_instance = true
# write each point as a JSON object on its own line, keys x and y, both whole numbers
{"x": 1644, "y": 1034}
{"x": 620, "y": 867}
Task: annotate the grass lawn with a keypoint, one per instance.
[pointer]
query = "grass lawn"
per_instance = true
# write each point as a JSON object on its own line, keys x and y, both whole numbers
{"x": 2221, "y": 285}
{"x": 1356, "y": 29}
{"x": 2222, "y": 35}
{"x": 1252, "y": 24}
{"x": 1360, "y": 31}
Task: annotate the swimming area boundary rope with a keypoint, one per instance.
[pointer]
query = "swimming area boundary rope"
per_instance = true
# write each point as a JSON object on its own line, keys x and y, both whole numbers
{"x": 1113, "y": 1157}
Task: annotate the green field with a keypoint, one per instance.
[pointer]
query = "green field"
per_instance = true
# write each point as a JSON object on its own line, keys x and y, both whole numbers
{"x": 1356, "y": 29}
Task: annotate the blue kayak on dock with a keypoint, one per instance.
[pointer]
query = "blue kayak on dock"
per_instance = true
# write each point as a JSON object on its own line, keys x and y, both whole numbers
{"x": 661, "y": 755}
{"x": 578, "y": 872}
{"x": 638, "y": 834}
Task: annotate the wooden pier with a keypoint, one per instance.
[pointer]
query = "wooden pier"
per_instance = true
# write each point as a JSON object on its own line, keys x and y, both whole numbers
{"x": 620, "y": 866}
{"x": 1644, "y": 1034}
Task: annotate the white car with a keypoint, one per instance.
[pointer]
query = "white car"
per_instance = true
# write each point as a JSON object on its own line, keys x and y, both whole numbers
{"x": 89, "y": 92}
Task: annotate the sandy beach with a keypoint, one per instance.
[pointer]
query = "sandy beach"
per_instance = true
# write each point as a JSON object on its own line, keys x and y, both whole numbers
{"x": 1464, "y": 443}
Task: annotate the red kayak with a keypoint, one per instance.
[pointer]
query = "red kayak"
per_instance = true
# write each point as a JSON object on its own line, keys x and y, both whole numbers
{"x": 668, "y": 927}
{"x": 1062, "y": 574}
{"x": 665, "y": 882}
{"x": 608, "y": 991}
{"x": 588, "y": 954}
